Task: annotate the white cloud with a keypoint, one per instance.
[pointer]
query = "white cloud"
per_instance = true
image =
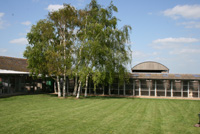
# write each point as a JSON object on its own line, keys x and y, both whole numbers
{"x": 176, "y": 40}
{"x": 184, "y": 11}
{"x": 141, "y": 54}
{"x": 172, "y": 43}
{"x": 190, "y": 24}
{"x": 186, "y": 50}
{"x": 176, "y": 53}
{"x": 20, "y": 41}
{"x": 1, "y": 15}
{"x": 165, "y": 46}
{"x": 27, "y": 23}
{"x": 52, "y": 8}
{"x": 138, "y": 54}
{"x": 2, "y": 50}
{"x": 1, "y": 21}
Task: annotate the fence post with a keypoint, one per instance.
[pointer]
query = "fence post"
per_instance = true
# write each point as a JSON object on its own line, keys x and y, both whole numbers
{"x": 171, "y": 88}
{"x": 181, "y": 88}
{"x": 139, "y": 88}
{"x": 133, "y": 87}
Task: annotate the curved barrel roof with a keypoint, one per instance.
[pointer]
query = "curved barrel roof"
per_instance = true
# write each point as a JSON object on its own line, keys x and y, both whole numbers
{"x": 150, "y": 66}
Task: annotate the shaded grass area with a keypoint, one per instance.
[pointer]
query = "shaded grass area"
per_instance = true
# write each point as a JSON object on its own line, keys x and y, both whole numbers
{"x": 49, "y": 114}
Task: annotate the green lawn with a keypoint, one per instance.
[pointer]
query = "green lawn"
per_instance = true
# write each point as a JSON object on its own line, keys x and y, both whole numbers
{"x": 49, "y": 114}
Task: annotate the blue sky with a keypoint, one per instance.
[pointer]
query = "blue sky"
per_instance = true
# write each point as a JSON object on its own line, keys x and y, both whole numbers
{"x": 164, "y": 31}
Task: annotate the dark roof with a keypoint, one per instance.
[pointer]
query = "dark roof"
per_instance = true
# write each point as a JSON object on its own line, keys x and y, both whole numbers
{"x": 165, "y": 76}
{"x": 150, "y": 65}
{"x": 11, "y": 63}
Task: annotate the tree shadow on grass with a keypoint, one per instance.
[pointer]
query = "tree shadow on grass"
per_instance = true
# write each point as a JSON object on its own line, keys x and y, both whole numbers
{"x": 90, "y": 97}
{"x": 108, "y": 97}
{"x": 20, "y": 94}
{"x": 94, "y": 97}
{"x": 52, "y": 95}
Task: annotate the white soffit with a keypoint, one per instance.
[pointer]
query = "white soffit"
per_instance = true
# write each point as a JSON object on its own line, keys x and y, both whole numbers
{"x": 12, "y": 72}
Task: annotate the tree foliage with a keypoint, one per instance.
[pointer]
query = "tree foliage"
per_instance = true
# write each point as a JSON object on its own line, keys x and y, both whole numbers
{"x": 41, "y": 39}
{"x": 104, "y": 52}
{"x": 85, "y": 42}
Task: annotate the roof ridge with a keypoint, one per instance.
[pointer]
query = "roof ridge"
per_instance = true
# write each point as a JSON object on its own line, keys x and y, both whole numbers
{"x": 13, "y": 57}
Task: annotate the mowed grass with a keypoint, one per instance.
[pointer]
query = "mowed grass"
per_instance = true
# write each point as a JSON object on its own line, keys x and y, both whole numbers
{"x": 47, "y": 114}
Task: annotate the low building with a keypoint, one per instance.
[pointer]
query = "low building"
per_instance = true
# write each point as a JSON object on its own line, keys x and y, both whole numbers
{"x": 15, "y": 79}
{"x": 157, "y": 81}
{"x": 153, "y": 79}
{"x": 146, "y": 79}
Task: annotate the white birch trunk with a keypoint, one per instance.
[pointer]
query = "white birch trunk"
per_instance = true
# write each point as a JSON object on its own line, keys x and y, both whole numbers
{"x": 64, "y": 83}
{"x": 58, "y": 83}
{"x": 55, "y": 91}
{"x": 76, "y": 85}
{"x": 64, "y": 86}
{"x": 79, "y": 89}
{"x": 86, "y": 85}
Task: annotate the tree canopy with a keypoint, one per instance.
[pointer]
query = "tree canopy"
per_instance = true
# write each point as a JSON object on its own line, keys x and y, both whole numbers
{"x": 85, "y": 42}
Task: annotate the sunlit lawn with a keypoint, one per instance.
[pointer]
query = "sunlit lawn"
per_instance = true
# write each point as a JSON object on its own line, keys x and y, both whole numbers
{"x": 49, "y": 114}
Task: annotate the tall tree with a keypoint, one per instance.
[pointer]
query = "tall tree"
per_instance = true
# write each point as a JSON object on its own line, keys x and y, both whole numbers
{"x": 65, "y": 22}
{"x": 104, "y": 50}
{"x": 42, "y": 52}
{"x": 86, "y": 43}
{"x": 40, "y": 38}
{"x": 49, "y": 51}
